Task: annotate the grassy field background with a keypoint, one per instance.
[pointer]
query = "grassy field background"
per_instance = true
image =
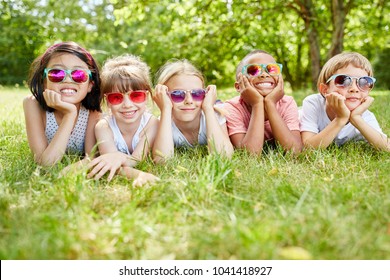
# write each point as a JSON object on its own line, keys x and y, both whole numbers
{"x": 331, "y": 204}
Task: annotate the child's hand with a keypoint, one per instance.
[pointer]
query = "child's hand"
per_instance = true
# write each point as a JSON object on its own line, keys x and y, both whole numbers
{"x": 336, "y": 103}
{"x": 111, "y": 162}
{"x": 161, "y": 98}
{"x": 359, "y": 110}
{"x": 211, "y": 97}
{"x": 53, "y": 100}
{"x": 145, "y": 178}
{"x": 248, "y": 93}
{"x": 277, "y": 93}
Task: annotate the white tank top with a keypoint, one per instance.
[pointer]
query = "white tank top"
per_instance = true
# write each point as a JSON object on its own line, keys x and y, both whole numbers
{"x": 120, "y": 142}
{"x": 77, "y": 137}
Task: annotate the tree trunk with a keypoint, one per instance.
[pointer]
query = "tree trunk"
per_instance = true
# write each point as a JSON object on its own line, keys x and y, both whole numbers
{"x": 306, "y": 12}
{"x": 339, "y": 14}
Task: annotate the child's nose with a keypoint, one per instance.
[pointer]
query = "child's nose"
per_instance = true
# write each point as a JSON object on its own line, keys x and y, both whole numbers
{"x": 127, "y": 101}
{"x": 264, "y": 73}
{"x": 188, "y": 98}
{"x": 353, "y": 87}
{"x": 68, "y": 78}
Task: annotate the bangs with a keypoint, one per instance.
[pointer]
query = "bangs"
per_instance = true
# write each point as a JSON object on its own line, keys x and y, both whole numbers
{"x": 123, "y": 82}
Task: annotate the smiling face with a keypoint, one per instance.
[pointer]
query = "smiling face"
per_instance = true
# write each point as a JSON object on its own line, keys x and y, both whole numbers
{"x": 353, "y": 94}
{"x": 188, "y": 110}
{"x": 265, "y": 83}
{"x": 70, "y": 91}
{"x": 128, "y": 111}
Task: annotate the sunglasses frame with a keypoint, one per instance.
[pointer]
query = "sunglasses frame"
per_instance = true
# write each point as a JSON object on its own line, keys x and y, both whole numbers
{"x": 333, "y": 77}
{"x": 184, "y": 92}
{"x": 68, "y": 72}
{"x": 129, "y": 93}
{"x": 263, "y": 68}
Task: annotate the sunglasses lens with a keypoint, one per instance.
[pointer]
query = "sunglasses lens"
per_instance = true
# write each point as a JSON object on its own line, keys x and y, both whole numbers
{"x": 56, "y": 75}
{"x": 342, "y": 81}
{"x": 253, "y": 70}
{"x": 79, "y": 76}
{"x": 366, "y": 83}
{"x": 115, "y": 98}
{"x": 198, "y": 94}
{"x": 138, "y": 96}
{"x": 273, "y": 69}
{"x": 178, "y": 95}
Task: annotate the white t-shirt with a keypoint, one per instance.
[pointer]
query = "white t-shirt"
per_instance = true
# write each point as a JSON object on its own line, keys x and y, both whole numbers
{"x": 313, "y": 118}
{"x": 180, "y": 140}
{"x": 120, "y": 142}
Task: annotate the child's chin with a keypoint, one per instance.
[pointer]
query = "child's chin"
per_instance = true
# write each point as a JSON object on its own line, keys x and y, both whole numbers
{"x": 352, "y": 107}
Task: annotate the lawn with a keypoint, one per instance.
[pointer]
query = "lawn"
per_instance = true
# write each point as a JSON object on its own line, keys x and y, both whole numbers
{"x": 321, "y": 205}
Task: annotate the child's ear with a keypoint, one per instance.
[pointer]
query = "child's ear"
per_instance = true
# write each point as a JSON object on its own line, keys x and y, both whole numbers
{"x": 237, "y": 86}
{"x": 323, "y": 88}
{"x": 90, "y": 86}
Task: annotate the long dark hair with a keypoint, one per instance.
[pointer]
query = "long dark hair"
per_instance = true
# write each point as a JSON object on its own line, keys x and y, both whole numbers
{"x": 36, "y": 78}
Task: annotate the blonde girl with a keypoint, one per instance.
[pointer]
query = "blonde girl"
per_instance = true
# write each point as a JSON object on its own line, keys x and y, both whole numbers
{"x": 187, "y": 110}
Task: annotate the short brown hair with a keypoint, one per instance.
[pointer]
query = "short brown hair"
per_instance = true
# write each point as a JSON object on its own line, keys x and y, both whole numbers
{"x": 340, "y": 61}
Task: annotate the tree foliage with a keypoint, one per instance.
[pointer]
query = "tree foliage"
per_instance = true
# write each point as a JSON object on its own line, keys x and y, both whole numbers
{"x": 214, "y": 35}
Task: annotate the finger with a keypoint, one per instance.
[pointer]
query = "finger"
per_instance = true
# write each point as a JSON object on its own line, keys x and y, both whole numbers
{"x": 211, "y": 89}
{"x": 96, "y": 169}
{"x": 112, "y": 173}
{"x": 102, "y": 172}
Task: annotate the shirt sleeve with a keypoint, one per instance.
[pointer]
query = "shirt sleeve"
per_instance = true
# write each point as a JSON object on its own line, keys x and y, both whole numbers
{"x": 309, "y": 116}
{"x": 291, "y": 115}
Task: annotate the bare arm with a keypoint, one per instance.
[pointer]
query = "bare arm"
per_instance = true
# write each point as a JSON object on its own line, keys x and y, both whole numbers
{"x": 253, "y": 139}
{"x": 217, "y": 137}
{"x": 289, "y": 140}
{"x": 110, "y": 159}
{"x": 376, "y": 139}
{"x": 90, "y": 138}
{"x": 44, "y": 153}
{"x": 147, "y": 138}
{"x": 335, "y": 103}
{"x": 163, "y": 147}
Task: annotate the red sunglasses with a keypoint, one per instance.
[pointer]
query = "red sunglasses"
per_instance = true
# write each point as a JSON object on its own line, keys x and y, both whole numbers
{"x": 137, "y": 96}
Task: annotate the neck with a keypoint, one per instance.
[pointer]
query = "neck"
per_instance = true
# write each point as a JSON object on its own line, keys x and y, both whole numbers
{"x": 188, "y": 127}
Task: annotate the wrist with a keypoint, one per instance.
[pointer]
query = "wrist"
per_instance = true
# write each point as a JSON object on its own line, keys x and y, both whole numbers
{"x": 355, "y": 118}
{"x": 342, "y": 121}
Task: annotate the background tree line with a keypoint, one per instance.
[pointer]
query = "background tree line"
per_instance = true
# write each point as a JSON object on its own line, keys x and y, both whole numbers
{"x": 214, "y": 34}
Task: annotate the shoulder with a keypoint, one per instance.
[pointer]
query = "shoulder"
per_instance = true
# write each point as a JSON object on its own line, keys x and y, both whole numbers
{"x": 32, "y": 108}
{"x": 152, "y": 120}
{"x": 102, "y": 123}
{"x": 30, "y": 101}
{"x": 233, "y": 101}
{"x": 314, "y": 98}
{"x": 286, "y": 101}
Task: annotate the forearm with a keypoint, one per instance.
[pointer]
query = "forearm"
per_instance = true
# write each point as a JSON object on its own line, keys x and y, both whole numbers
{"x": 57, "y": 147}
{"x": 282, "y": 134}
{"x": 375, "y": 138}
{"x": 163, "y": 146}
{"x": 253, "y": 140}
{"x": 217, "y": 140}
{"x": 325, "y": 137}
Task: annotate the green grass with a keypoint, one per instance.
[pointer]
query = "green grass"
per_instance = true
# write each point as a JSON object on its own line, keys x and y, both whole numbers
{"x": 332, "y": 204}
